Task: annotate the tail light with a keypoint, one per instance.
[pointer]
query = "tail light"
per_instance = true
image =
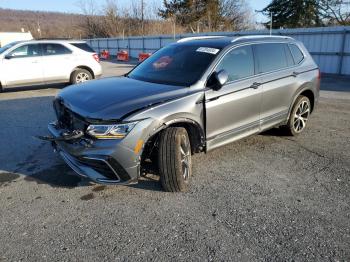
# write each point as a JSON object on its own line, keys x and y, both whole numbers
{"x": 319, "y": 74}
{"x": 96, "y": 57}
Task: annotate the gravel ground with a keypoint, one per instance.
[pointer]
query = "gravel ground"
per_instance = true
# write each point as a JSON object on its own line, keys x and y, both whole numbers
{"x": 266, "y": 197}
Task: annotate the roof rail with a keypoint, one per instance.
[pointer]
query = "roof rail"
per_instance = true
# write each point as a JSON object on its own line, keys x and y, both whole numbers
{"x": 259, "y": 36}
{"x": 198, "y": 38}
{"x": 53, "y": 38}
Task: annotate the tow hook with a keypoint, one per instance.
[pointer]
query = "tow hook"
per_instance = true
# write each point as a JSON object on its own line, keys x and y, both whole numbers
{"x": 67, "y": 136}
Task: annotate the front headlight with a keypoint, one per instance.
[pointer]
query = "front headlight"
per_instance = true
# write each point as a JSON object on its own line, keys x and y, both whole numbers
{"x": 118, "y": 131}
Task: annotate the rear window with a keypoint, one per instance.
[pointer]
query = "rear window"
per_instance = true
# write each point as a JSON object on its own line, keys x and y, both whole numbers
{"x": 297, "y": 54}
{"x": 83, "y": 46}
{"x": 271, "y": 57}
{"x": 55, "y": 49}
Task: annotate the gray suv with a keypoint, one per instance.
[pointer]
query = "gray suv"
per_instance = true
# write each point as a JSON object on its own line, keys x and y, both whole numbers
{"x": 191, "y": 96}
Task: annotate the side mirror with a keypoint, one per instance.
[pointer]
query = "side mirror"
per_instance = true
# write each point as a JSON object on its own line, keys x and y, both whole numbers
{"x": 8, "y": 57}
{"x": 217, "y": 80}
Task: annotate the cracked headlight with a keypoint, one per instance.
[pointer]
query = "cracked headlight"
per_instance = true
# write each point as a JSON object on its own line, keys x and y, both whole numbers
{"x": 118, "y": 131}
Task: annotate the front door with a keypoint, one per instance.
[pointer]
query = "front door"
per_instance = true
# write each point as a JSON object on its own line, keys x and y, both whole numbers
{"x": 23, "y": 66}
{"x": 233, "y": 111}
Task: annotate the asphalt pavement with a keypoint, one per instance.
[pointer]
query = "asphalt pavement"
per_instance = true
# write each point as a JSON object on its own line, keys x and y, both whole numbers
{"x": 268, "y": 197}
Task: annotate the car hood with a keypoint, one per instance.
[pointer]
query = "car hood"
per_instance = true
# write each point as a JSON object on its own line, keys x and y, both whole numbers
{"x": 116, "y": 97}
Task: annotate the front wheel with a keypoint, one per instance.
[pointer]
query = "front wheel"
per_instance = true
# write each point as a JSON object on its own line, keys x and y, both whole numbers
{"x": 174, "y": 158}
{"x": 299, "y": 116}
{"x": 80, "y": 76}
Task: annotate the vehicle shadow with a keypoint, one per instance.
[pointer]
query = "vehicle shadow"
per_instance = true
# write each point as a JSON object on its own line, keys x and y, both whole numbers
{"x": 275, "y": 132}
{"x": 150, "y": 183}
{"x": 34, "y": 87}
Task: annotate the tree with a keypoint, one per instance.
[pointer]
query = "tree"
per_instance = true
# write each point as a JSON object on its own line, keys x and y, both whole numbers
{"x": 208, "y": 14}
{"x": 293, "y": 13}
{"x": 335, "y": 11}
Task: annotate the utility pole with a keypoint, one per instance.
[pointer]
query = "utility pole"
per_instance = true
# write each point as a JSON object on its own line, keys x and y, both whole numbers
{"x": 271, "y": 23}
{"x": 142, "y": 17}
{"x": 39, "y": 29}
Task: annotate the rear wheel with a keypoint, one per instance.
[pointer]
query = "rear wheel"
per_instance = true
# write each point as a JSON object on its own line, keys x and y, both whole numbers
{"x": 174, "y": 158}
{"x": 80, "y": 76}
{"x": 299, "y": 116}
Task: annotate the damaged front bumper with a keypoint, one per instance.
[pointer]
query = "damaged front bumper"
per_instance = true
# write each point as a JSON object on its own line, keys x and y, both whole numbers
{"x": 103, "y": 161}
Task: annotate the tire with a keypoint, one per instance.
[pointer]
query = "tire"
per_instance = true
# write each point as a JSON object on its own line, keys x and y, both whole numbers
{"x": 174, "y": 158}
{"x": 299, "y": 116}
{"x": 80, "y": 75}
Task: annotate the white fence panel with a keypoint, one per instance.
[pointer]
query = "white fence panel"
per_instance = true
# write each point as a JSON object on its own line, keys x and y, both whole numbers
{"x": 329, "y": 46}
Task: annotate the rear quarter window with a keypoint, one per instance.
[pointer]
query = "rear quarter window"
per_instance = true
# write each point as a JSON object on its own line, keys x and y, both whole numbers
{"x": 297, "y": 54}
{"x": 83, "y": 46}
{"x": 271, "y": 57}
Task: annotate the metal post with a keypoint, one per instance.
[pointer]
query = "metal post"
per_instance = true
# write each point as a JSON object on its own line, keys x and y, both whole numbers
{"x": 271, "y": 24}
{"x": 160, "y": 42}
{"x": 107, "y": 45}
{"x": 98, "y": 45}
{"x": 143, "y": 44}
{"x": 341, "y": 54}
{"x": 129, "y": 50}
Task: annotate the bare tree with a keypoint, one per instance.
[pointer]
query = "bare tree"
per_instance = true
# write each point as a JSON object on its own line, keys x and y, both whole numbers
{"x": 335, "y": 11}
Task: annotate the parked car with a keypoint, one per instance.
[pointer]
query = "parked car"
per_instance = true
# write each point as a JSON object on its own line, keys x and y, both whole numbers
{"x": 39, "y": 62}
{"x": 191, "y": 96}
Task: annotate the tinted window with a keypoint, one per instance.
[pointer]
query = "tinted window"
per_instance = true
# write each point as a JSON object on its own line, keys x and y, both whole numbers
{"x": 297, "y": 54}
{"x": 238, "y": 63}
{"x": 26, "y": 51}
{"x": 175, "y": 65}
{"x": 271, "y": 57}
{"x": 289, "y": 57}
{"x": 8, "y": 46}
{"x": 55, "y": 49}
{"x": 83, "y": 46}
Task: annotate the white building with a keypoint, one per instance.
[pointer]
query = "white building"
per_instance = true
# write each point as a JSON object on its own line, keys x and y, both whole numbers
{"x": 8, "y": 37}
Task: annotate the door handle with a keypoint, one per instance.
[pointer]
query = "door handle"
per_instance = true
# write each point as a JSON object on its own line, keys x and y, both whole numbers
{"x": 34, "y": 62}
{"x": 295, "y": 74}
{"x": 255, "y": 85}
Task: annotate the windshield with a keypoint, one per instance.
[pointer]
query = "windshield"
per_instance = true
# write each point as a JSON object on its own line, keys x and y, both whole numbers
{"x": 8, "y": 46}
{"x": 175, "y": 65}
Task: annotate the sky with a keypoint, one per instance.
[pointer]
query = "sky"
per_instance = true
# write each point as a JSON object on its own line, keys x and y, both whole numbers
{"x": 72, "y": 6}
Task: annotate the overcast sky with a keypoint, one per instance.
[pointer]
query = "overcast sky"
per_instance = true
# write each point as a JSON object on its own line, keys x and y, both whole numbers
{"x": 72, "y": 6}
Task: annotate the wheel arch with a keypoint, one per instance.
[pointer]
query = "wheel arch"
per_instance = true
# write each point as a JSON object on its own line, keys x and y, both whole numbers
{"x": 195, "y": 132}
{"x": 82, "y": 67}
{"x": 307, "y": 91}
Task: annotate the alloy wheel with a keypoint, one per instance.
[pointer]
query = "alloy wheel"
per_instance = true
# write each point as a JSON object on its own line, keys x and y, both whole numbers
{"x": 185, "y": 157}
{"x": 82, "y": 77}
{"x": 301, "y": 116}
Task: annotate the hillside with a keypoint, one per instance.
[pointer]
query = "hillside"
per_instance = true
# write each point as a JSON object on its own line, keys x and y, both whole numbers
{"x": 51, "y": 24}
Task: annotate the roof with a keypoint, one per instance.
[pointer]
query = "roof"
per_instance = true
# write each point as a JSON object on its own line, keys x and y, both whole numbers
{"x": 223, "y": 41}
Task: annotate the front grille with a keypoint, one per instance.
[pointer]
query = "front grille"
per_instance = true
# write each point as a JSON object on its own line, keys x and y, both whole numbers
{"x": 68, "y": 119}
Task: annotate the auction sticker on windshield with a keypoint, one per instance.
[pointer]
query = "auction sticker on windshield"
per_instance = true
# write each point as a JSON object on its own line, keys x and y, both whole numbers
{"x": 208, "y": 50}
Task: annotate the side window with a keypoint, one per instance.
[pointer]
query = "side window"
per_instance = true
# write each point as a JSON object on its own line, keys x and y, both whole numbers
{"x": 289, "y": 56}
{"x": 55, "y": 49}
{"x": 271, "y": 57}
{"x": 25, "y": 51}
{"x": 239, "y": 63}
{"x": 297, "y": 54}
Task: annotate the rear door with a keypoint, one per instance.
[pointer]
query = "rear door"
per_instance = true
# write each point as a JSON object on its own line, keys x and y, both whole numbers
{"x": 233, "y": 111}
{"x": 276, "y": 66}
{"x": 23, "y": 66}
{"x": 57, "y": 61}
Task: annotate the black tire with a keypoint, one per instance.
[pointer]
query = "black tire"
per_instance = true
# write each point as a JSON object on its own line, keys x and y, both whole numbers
{"x": 80, "y": 76}
{"x": 1, "y": 88}
{"x": 174, "y": 157}
{"x": 299, "y": 116}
